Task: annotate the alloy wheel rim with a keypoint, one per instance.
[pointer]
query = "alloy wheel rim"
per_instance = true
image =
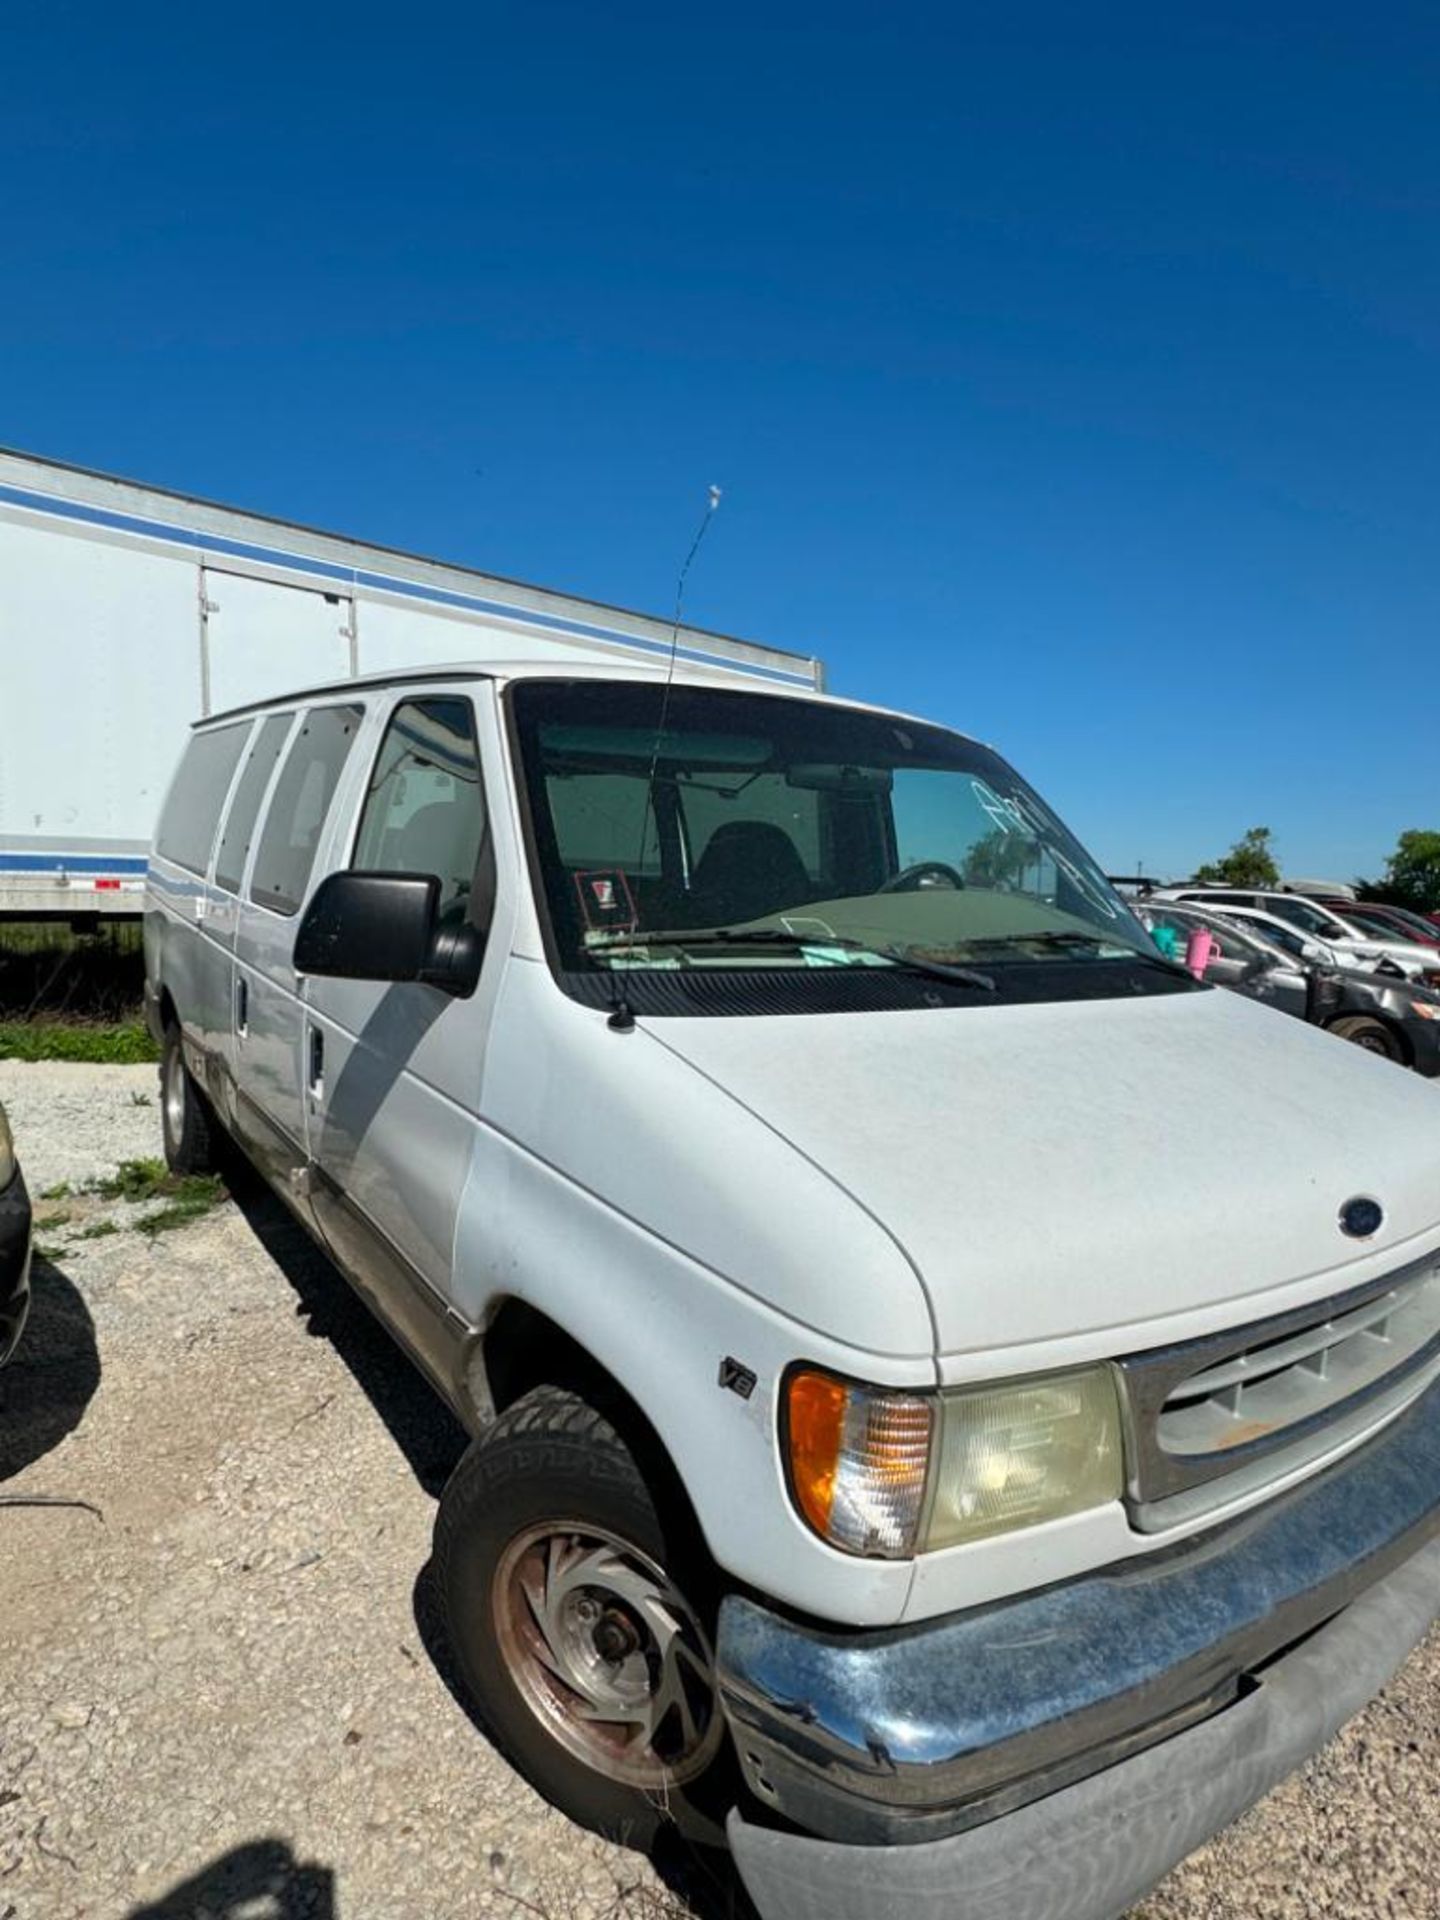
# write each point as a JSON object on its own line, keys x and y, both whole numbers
{"x": 607, "y": 1654}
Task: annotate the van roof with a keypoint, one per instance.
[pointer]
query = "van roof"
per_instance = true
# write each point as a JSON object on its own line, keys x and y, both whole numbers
{"x": 685, "y": 673}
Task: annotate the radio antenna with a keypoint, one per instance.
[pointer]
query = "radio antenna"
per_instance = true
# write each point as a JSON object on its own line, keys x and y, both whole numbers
{"x": 622, "y": 1018}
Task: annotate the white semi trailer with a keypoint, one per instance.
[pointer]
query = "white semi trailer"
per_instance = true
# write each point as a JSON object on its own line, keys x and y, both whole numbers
{"x": 127, "y": 612}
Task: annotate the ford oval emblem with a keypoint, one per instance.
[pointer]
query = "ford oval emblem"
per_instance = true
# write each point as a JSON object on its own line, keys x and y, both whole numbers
{"x": 1362, "y": 1217}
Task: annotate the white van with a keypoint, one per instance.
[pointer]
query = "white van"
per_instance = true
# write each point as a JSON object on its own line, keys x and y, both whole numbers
{"x": 953, "y": 1396}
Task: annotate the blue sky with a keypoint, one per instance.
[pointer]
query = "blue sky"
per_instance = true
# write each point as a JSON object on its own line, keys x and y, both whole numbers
{"x": 1071, "y": 372}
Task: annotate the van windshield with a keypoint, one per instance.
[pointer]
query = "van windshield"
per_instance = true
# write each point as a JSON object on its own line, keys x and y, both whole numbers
{"x": 741, "y": 831}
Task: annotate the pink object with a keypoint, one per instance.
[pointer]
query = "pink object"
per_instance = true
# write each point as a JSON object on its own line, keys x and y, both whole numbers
{"x": 1198, "y": 951}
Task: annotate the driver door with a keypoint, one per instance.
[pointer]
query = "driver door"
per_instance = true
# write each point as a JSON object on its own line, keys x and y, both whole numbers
{"x": 395, "y": 1068}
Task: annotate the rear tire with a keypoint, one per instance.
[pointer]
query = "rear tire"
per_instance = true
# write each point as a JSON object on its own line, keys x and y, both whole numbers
{"x": 581, "y": 1624}
{"x": 186, "y": 1122}
{"x": 1373, "y": 1035}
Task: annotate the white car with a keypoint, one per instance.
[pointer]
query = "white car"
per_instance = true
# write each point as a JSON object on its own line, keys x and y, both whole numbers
{"x": 1321, "y": 923}
{"x": 1303, "y": 946}
{"x": 919, "y": 1343}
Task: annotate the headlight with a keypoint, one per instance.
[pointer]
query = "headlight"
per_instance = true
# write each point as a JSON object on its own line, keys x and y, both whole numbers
{"x": 892, "y": 1474}
{"x": 7, "y": 1152}
{"x": 1426, "y": 1009}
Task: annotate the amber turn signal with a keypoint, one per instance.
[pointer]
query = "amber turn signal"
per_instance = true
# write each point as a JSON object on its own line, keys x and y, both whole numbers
{"x": 858, "y": 1460}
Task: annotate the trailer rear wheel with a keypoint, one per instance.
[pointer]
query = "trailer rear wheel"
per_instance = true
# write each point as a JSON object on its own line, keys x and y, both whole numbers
{"x": 186, "y": 1123}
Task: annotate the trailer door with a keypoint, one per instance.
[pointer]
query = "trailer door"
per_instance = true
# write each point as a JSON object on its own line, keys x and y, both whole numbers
{"x": 263, "y": 639}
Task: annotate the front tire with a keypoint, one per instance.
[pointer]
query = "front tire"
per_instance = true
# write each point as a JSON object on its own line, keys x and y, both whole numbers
{"x": 1373, "y": 1035}
{"x": 186, "y": 1124}
{"x": 577, "y": 1620}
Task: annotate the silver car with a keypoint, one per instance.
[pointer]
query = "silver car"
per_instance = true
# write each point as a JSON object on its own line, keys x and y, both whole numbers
{"x": 1241, "y": 961}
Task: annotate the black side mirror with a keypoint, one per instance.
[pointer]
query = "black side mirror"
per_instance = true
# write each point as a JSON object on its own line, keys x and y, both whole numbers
{"x": 382, "y": 926}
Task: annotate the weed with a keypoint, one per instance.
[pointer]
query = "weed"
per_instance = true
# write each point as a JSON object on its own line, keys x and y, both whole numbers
{"x": 47, "y": 970}
{"x": 60, "y": 1191}
{"x": 133, "y": 1180}
{"x": 187, "y": 1195}
{"x": 47, "y": 1222}
{"x": 43, "y": 1252}
{"x": 140, "y": 1099}
{"x": 180, "y": 1212}
{"x": 101, "y": 1230}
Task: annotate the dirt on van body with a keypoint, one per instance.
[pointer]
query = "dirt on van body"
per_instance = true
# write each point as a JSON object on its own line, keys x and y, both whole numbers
{"x": 222, "y": 1692}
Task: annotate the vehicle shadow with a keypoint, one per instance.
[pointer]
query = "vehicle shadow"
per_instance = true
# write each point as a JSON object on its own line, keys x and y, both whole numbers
{"x": 53, "y": 1373}
{"x": 423, "y": 1428}
{"x": 261, "y": 1880}
{"x": 702, "y": 1879}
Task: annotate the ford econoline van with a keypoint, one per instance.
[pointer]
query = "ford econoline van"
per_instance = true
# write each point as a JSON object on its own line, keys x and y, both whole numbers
{"x": 954, "y": 1397}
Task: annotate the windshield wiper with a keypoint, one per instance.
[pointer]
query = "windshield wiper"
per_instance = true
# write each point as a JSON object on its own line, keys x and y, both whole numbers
{"x": 1066, "y": 941}
{"x": 903, "y": 957}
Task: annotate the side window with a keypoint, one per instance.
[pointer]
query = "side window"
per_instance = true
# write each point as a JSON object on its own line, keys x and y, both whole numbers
{"x": 192, "y": 810}
{"x": 1229, "y": 946}
{"x": 239, "y": 829}
{"x": 424, "y": 809}
{"x": 299, "y": 805}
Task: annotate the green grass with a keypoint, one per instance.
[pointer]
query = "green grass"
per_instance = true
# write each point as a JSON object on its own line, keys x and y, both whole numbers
{"x": 48, "y": 1222}
{"x": 135, "y": 1180}
{"x": 60, "y": 1191}
{"x": 181, "y": 1212}
{"x": 121, "y": 1044}
{"x": 188, "y": 1196}
{"x": 101, "y": 1230}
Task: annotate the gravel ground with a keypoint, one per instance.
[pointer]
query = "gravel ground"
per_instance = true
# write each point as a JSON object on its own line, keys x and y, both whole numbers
{"x": 225, "y": 1698}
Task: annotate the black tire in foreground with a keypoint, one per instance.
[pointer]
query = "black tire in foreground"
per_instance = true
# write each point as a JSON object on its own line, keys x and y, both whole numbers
{"x": 1373, "y": 1035}
{"x": 189, "y": 1129}
{"x": 581, "y": 1624}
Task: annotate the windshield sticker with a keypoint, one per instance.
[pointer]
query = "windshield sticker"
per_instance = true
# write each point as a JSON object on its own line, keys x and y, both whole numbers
{"x": 606, "y": 902}
{"x": 1094, "y": 890}
{"x": 1005, "y": 814}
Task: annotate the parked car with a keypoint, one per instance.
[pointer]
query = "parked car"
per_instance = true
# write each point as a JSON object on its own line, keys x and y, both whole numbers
{"x": 1320, "y": 922}
{"x": 897, "y": 1435}
{"x": 1309, "y": 947}
{"x": 1240, "y": 960}
{"x": 14, "y": 1244}
{"x": 1398, "y": 1019}
{"x": 1386, "y": 922}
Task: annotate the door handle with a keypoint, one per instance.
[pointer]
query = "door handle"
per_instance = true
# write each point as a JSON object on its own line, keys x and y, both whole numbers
{"x": 317, "y": 1059}
{"x": 242, "y": 1007}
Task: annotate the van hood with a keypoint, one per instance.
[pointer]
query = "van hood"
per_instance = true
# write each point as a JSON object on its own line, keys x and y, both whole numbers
{"x": 1061, "y": 1170}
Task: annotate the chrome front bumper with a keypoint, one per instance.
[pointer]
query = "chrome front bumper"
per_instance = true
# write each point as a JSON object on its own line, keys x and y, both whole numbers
{"x": 905, "y": 1737}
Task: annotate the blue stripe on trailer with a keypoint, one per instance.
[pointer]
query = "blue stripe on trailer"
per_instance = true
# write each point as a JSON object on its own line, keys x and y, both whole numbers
{"x": 72, "y": 863}
{"x": 211, "y": 543}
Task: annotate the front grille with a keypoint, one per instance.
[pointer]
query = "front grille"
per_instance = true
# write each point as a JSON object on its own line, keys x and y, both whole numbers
{"x": 1291, "y": 1386}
